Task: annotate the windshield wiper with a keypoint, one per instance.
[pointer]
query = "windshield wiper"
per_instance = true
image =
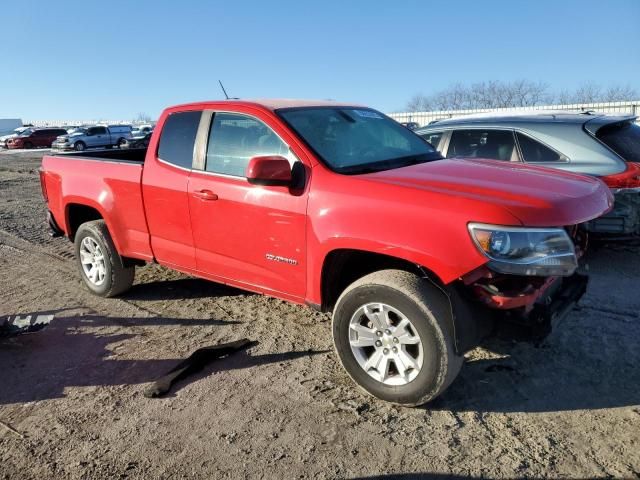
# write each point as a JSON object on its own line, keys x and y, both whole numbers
{"x": 389, "y": 164}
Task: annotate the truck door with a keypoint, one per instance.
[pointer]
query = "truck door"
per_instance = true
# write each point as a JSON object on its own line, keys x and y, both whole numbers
{"x": 96, "y": 136}
{"x": 252, "y": 235}
{"x": 164, "y": 190}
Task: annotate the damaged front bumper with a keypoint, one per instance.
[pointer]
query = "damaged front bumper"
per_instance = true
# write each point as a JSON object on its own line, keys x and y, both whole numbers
{"x": 524, "y": 308}
{"x": 550, "y": 307}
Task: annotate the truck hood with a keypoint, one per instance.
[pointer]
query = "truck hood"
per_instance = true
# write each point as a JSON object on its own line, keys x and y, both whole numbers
{"x": 537, "y": 196}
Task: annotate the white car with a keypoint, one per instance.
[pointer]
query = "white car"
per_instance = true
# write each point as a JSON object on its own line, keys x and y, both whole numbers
{"x": 5, "y": 138}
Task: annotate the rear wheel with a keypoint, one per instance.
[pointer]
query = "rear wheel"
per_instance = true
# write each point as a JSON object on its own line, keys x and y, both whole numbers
{"x": 102, "y": 268}
{"x": 79, "y": 146}
{"x": 391, "y": 332}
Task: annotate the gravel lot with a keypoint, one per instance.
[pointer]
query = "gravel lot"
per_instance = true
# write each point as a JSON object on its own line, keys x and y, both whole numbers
{"x": 285, "y": 409}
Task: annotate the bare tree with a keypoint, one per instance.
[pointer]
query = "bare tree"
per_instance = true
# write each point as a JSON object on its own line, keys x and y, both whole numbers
{"x": 588, "y": 93}
{"x": 563, "y": 97}
{"x": 620, "y": 93}
{"x": 142, "y": 118}
{"x": 490, "y": 94}
{"x": 518, "y": 93}
{"x": 419, "y": 103}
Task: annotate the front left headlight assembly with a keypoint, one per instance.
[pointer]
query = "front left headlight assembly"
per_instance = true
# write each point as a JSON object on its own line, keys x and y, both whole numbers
{"x": 540, "y": 252}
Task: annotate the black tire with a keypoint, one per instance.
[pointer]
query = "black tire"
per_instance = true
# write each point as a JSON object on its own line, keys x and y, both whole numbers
{"x": 28, "y": 145}
{"x": 120, "y": 142}
{"x": 118, "y": 277}
{"x": 79, "y": 146}
{"x": 429, "y": 311}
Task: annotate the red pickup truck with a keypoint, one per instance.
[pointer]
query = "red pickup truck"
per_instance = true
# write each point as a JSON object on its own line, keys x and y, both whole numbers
{"x": 338, "y": 207}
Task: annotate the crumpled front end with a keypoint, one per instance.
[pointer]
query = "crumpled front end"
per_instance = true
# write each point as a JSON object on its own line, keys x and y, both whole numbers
{"x": 534, "y": 302}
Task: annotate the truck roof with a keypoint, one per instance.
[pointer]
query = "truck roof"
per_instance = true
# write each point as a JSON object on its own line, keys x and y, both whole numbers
{"x": 271, "y": 103}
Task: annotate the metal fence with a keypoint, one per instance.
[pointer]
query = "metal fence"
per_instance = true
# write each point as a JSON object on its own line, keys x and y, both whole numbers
{"x": 424, "y": 118}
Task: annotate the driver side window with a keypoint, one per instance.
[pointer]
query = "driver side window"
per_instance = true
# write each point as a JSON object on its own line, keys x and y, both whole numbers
{"x": 234, "y": 139}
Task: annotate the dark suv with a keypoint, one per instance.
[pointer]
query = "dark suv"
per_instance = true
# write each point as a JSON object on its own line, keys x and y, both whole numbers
{"x": 36, "y": 137}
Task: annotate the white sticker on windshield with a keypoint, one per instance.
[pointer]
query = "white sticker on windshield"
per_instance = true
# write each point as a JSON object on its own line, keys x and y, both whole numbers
{"x": 368, "y": 114}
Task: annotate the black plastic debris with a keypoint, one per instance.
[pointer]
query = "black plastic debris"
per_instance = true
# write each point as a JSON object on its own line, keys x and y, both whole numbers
{"x": 194, "y": 363}
{"x": 11, "y": 326}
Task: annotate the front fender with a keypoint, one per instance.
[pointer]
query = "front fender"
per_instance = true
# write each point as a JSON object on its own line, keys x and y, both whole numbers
{"x": 426, "y": 229}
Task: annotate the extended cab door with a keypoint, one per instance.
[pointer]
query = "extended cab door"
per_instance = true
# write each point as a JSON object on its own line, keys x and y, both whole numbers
{"x": 164, "y": 188}
{"x": 251, "y": 235}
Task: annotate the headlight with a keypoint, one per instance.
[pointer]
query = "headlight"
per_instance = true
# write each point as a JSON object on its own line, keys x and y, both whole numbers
{"x": 526, "y": 251}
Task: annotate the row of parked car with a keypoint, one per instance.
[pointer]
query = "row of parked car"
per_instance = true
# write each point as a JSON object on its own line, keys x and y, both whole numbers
{"x": 599, "y": 145}
{"x": 79, "y": 138}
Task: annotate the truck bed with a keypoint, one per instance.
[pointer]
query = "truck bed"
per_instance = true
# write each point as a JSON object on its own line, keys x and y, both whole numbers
{"x": 105, "y": 184}
{"x": 127, "y": 155}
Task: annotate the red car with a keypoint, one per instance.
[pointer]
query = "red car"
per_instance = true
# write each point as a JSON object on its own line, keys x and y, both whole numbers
{"x": 338, "y": 207}
{"x": 36, "y": 137}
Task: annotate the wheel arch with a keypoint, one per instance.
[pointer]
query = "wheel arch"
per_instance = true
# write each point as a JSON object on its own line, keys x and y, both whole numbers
{"x": 78, "y": 213}
{"x": 341, "y": 267}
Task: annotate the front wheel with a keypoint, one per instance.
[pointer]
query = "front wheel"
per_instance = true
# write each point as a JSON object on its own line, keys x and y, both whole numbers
{"x": 392, "y": 332}
{"x": 101, "y": 267}
{"x": 79, "y": 146}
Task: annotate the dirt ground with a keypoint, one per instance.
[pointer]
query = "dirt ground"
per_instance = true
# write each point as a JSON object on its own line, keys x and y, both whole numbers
{"x": 285, "y": 409}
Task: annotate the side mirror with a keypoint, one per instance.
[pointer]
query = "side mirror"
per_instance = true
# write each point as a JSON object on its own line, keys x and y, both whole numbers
{"x": 270, "y": 170}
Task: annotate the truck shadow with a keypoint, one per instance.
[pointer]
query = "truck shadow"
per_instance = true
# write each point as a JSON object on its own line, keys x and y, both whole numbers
{"x": 590, "y": 361}
{"x": 42, "y": 365}
{"x": 569, "y": 371}
{"x": 418, "y": 476}
{"x": 180, "y": 289}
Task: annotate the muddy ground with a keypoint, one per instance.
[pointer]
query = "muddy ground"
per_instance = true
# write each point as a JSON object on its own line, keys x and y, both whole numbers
{"x": 285, "y": 409}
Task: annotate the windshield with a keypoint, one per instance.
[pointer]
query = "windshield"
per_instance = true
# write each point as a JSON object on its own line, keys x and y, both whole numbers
{"x": 26, "y": 133}
{"x": 622, "y": 138}
{"x": 357, "y": 140}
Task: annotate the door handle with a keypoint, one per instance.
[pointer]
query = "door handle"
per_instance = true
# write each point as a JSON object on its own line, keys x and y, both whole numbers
{"x": 205, "y": 195}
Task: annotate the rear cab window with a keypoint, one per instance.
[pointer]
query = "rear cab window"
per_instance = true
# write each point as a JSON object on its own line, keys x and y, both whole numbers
{"x": 178, "y": 138}
{"x": 483, "y": 143}
{"x": 623, "y": 138}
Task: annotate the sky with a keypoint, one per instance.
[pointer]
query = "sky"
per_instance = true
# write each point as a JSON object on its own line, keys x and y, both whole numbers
{"x": 115, "y": 59}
